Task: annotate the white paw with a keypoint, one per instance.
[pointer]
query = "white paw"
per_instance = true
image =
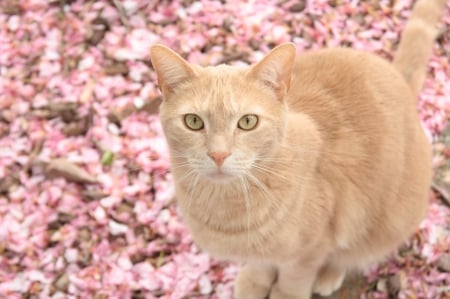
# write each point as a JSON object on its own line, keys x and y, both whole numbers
{"x": 276, "y": 293}
{"x": 245, "y": 288}
{"x": 328, "y": 283}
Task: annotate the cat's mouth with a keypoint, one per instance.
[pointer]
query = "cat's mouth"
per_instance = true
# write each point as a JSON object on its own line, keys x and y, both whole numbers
{"x": 220, "y": 176}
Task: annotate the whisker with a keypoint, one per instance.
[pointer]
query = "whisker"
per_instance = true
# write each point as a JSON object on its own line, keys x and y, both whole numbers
{"x": 267, "y": 195}
{"x": 279, "y": 163}
{"x": 264, "y": 191}
{"x": 295, "y": 148}
{"x": 187, "y": 174}
{"x": 246, "y": 190}
{"x": 179, "y": 165}
{"x": 293, "y": 179}
{"x": 192, "y": 187}
{"x": 267, "y": 170}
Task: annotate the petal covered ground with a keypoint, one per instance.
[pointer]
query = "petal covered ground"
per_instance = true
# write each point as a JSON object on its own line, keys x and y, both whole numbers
{"x": 86, "y": 207}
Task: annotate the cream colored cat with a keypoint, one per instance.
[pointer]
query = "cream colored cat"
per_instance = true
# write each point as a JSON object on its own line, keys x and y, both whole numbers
{"x": 303, "y": 168}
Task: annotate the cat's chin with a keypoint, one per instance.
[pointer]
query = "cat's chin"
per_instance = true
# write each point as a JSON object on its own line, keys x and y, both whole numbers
{"x": 220, "y": 177}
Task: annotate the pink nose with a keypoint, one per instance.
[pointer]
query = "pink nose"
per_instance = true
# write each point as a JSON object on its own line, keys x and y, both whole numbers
{"x": 219, "y": 157}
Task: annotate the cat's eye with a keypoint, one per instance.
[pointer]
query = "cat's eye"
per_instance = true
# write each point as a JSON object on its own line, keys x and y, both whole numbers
{"x": 248, "y": 122}
{"x": 193, "y": 122}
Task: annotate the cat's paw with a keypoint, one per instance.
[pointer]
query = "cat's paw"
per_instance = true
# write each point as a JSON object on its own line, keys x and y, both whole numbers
{"x": 328, "y": 281}
{"x": 245, "y": 288}
{"x": 276, "y": 293}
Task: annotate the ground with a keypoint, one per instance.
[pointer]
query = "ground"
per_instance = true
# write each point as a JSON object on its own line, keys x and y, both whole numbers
{"x": 86, "y": 194}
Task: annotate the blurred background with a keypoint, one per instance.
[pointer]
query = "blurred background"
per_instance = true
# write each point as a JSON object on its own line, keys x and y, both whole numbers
{"x": 86, "y": 194}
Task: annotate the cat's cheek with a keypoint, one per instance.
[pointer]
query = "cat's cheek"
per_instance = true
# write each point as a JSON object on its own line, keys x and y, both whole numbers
{"x": 182, "y": 139}
{"x": 266, "y": 142}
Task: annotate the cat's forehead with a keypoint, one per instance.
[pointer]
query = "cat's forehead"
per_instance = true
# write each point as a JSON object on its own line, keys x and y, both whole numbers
{"x": 220, "y": 88}
{"x": 225, "y": 69}
{"x": 225, "y": 77}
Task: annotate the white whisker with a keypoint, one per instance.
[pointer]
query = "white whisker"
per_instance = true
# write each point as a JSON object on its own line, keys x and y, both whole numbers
{"x": 192, "y": 187}
{"x": 186, "y": 175}
{"x": 264, "y": 190}
{"x": 179, "y": 165}
{"x": 293, "y": 178}
{"x": 246, "y": 190}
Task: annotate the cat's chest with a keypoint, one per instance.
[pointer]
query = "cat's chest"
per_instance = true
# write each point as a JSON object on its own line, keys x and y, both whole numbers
{"x": 245, "y": 227}
{"x": 242, "y": 245}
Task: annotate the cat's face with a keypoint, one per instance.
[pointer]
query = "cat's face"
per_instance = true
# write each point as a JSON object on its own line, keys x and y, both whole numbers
{"x": 221, "y": 122}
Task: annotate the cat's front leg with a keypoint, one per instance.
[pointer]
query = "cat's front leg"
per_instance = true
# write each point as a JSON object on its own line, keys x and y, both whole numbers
{"x": 254, "y": 281}
{"x": 294, "y": 282}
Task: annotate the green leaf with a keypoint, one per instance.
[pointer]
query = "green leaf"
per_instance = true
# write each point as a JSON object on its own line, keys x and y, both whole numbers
{"x": 107, "y": 158}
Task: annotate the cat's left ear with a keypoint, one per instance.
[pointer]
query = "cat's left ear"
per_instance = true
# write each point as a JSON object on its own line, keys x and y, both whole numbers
{"x": 275, "y": 69}
{"x": 171, "y": 68}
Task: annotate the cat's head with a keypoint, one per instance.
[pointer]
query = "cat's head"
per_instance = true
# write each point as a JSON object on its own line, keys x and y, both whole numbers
{"x": 221, "y": 121}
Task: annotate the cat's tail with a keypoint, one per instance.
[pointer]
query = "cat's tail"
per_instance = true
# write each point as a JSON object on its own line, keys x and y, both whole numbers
{"x": 417, "y": 40}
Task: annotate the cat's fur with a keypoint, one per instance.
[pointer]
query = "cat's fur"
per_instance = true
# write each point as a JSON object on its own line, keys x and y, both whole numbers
{"x": 335, "y": 175}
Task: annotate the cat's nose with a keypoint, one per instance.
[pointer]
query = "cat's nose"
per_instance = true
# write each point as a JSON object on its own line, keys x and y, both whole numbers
{"x": 219, "y": 157}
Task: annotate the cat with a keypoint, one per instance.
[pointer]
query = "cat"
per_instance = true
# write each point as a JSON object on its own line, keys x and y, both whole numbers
{"x": 302, "y": 168}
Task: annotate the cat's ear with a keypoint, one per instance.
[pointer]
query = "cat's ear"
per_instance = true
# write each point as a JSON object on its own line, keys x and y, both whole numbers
{"x": 275, "y": 69}
{"x": 170, "y": 68}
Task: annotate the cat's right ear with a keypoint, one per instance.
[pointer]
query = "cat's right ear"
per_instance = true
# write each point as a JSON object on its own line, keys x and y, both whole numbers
{"x": 170, "y": 68}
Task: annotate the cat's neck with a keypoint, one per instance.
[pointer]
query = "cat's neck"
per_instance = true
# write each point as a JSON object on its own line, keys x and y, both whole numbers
{"x": 230, "y": 208}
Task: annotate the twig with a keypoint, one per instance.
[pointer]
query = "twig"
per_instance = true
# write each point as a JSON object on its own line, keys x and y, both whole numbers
{"x": 122, "y": 14}
{"x": 153, "y": 4}
{"x": 233, "y": 57}
{"x": 442, "y": 192}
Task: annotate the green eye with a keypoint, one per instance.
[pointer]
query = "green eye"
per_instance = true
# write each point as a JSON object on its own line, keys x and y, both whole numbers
{"x": 193, "y": 122}
{"x": 248, "y": 122}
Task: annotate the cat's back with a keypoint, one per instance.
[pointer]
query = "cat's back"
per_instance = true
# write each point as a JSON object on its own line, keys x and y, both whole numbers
{"x": 344, "y": 73}
{"x": 375, "y": 156}
{"x": 348, "y": 88}
{"x": 342, "y": 66}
